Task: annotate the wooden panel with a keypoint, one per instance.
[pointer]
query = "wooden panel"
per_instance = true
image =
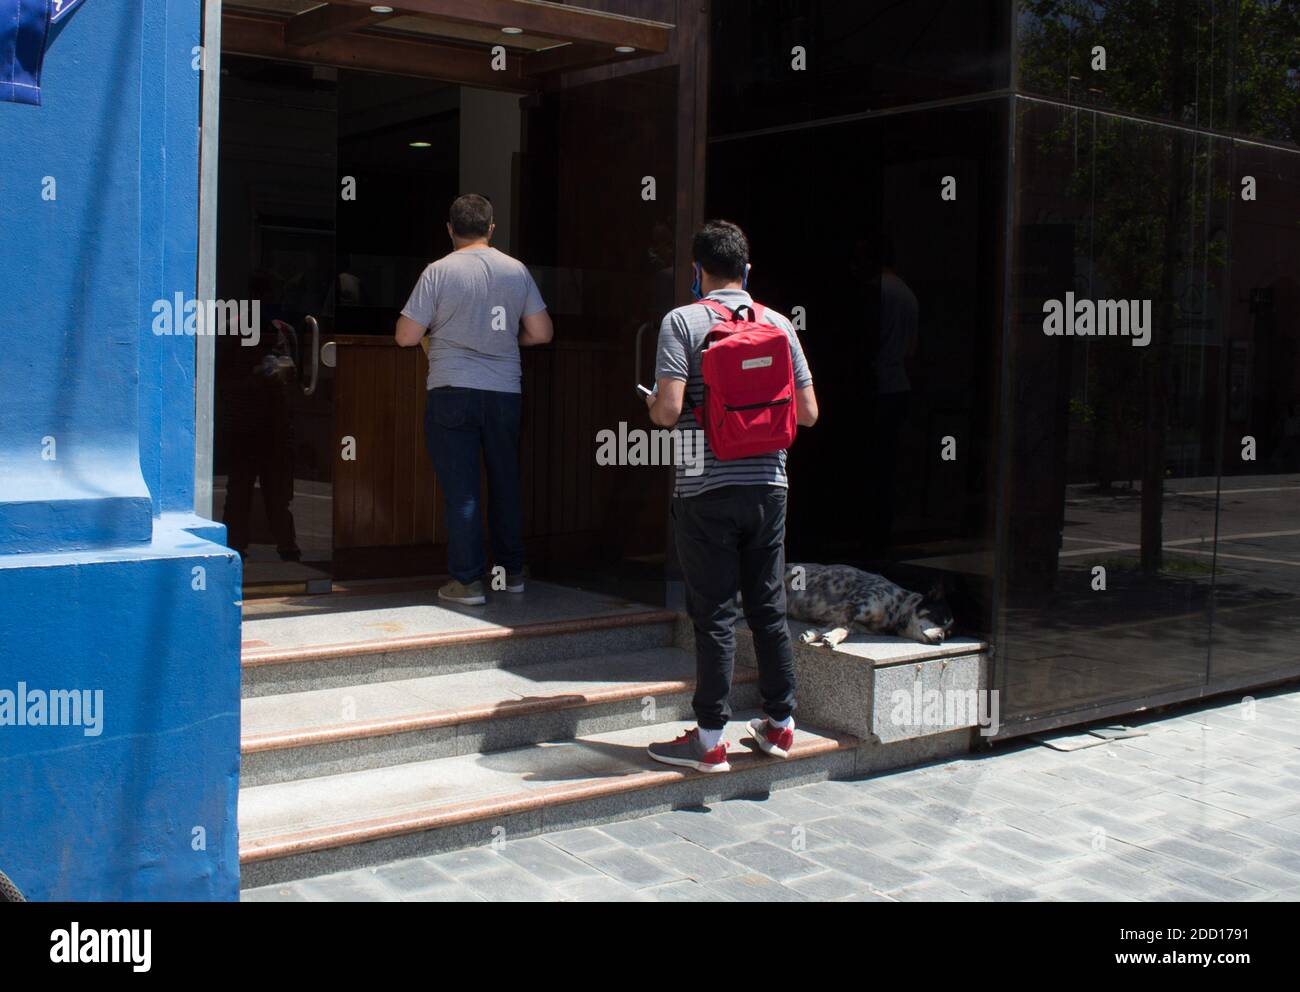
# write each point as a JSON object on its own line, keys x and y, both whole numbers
{"x": 386, "y": 497}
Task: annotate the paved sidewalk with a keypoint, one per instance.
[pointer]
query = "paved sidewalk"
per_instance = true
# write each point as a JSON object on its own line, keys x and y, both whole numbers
{"x": 1206, "y": 807}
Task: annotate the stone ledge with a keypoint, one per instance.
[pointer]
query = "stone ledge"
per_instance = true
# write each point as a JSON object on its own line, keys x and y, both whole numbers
{"x": 852, "y": 689}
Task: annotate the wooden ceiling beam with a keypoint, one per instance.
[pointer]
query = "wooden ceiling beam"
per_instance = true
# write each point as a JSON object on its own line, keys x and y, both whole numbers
{"x": 544, "y": 18}
{"x": 328, "y": 21}
{"x": 575, "y": 56}
{"x": 244, "y": 34}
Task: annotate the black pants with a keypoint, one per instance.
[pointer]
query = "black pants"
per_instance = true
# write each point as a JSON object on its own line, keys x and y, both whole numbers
{"x": 732, "y": 540}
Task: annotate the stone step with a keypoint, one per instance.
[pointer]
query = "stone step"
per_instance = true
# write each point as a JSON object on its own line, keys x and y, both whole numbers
{"x": 315, "y": 826}
{"x": 315, "y": 643}
{"x": 333, "y": 730}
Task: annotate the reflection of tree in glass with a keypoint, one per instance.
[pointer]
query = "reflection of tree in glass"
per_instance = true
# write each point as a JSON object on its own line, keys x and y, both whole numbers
{"x": 1149, "y": 195}
{"x": 1205, "y": 63}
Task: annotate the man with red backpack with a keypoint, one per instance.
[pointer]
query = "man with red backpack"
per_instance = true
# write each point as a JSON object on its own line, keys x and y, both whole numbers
{"x": 735, "y": 370}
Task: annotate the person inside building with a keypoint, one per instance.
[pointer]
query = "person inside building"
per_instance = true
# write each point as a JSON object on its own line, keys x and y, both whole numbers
{"x": 478, "y": 306}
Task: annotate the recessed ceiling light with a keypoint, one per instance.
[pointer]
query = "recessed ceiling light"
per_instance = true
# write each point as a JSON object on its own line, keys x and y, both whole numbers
{"x": 421, "y": 144}
{"x": 624, "y": 49}
{"x": 381, "y": 9}
{"x": 512, "y": 30}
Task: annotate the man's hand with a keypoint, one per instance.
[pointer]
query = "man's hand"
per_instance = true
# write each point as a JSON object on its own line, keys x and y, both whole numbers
{"x": 665, "y": 404}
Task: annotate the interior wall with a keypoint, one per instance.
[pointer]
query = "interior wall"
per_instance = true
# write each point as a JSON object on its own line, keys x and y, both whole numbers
{"x": 489, "y": 144}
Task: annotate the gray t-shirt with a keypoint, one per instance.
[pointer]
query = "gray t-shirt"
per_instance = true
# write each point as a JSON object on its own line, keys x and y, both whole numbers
{"x": 472, "y": 301}
{"x": 681, "y": 336}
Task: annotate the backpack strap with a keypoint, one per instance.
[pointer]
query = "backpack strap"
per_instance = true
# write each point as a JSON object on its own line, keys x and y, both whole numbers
{"x": 726, "y": 313}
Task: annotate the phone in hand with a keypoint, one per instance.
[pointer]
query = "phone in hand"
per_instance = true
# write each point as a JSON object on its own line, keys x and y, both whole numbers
{"x": 643, "y": 391}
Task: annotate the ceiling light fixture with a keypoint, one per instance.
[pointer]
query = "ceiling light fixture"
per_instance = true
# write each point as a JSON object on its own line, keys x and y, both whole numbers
{"x": 381, "y": 9}
{"x": 421, "y": 144}
{"x": 512, "y": 30}
{"x": 624, "y": 49}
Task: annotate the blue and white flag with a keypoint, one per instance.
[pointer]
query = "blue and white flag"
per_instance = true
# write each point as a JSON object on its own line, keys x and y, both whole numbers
{"x": 59, "y": 9}
{"x": 24, "y": 29}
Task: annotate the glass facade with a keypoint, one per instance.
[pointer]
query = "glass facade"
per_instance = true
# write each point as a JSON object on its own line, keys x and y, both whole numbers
{"x": 1148, "y": 545}
{"x": 856, "y": 57}
{"x": 1108, "y": 310}
{"x": 843, "y": 205}
{"x": 1211, "y": 64}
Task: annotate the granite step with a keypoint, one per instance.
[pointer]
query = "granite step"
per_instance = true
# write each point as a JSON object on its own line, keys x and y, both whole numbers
{"x": 314, "y": 643}
{"x": 308, "y": 827}
{"x": 332, "y": 730}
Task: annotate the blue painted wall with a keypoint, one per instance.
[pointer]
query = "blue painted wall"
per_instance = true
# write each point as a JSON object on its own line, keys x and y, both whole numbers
{"x": 103, "y": 583}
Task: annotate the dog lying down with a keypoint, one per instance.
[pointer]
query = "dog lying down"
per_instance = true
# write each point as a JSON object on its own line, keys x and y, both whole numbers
{"x": 839, "y": 597}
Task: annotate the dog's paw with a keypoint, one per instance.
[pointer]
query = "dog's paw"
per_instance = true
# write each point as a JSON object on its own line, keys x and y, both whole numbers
{"x": 810, "y": 636}
{"x": 833, "y": 637}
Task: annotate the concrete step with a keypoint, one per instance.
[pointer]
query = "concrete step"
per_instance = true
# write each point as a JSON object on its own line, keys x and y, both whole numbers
{"x": 315, "y": 643}
{"x": 333, "y": 730}
{"x": 309, "y": 827}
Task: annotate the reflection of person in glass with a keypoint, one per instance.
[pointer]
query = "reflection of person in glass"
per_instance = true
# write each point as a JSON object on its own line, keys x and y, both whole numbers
{"x": 256, "y": 417}
{"x": 893, "y": 390}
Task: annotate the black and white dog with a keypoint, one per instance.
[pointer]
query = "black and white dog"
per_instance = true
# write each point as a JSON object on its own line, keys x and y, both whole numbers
{"x": 839, "y": 597}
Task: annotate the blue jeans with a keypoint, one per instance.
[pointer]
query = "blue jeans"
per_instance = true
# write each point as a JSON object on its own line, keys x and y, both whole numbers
{"x": 459, "y": 424}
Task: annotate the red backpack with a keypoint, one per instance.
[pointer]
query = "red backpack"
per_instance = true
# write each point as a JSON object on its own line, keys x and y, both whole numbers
{"x": 748, "y": 406}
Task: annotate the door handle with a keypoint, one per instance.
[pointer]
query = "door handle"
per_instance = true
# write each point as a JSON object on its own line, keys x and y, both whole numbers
{"x": 310, "y": 388}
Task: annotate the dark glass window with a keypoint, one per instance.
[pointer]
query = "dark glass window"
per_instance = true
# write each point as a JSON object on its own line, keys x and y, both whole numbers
{"x": 1229, "y": 66}
{"x": 1109, "y": 515}
{"x": 1257, "y": 558}
{"x": 832, "y": 211}
{"x": 860, "y": 56}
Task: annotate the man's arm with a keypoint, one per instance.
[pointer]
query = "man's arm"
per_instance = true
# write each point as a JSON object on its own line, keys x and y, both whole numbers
{"x": 665, "y": 404}
{"x": 536, "y": 328}
{"x": 805, "y": 403}
{"x": 408, "y": 332}
{"x": 417, "y": 315}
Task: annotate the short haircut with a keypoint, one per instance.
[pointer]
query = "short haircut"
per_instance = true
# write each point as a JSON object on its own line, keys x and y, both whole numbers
{"x": 470, "y": 216}
{"x": 722, "y": 249}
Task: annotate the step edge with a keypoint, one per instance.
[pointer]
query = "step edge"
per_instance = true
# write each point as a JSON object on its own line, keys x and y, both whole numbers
{"x": 261, "y": 657}
{"x": 433, "y": 719}
{"x": 417, "y": 821}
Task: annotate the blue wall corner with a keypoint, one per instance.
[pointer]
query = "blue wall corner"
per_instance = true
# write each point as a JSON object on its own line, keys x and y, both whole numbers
{"x": 98, "y": 542}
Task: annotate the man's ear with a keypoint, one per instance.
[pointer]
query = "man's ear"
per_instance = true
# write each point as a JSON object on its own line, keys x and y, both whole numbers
{"x": 450, "y": 234}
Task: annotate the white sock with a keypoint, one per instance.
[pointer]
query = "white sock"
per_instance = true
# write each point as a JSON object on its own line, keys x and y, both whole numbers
{"x": 710, "y": 738}
{"x": 786, "y": 724}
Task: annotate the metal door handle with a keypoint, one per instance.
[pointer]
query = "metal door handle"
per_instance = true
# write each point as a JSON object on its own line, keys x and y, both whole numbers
{"x": 310, "y": 388}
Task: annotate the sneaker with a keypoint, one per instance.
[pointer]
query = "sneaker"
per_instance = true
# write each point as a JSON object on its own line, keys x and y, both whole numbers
{"x": 771, "y": 739}
{"x": 515, "y": 583}
{"x": 465, "y": 595}
{"x": 688, "y": 752}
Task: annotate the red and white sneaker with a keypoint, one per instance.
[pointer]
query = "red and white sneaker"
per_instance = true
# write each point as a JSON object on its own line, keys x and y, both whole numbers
{"x": 771, "y": 739}
{"x": 688, "y": 751}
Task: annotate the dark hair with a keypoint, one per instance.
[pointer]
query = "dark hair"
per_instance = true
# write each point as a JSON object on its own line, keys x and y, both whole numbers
{"x": 722, "y": 249}
{"x": 471, "y": 216}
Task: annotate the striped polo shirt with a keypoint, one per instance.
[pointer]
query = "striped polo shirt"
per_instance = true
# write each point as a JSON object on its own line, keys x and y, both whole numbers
{"x": 681, "y": 337}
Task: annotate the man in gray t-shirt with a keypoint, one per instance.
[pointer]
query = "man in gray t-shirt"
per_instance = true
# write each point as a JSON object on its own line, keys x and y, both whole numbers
{"x": 479, "y": 306}
{"x": 728, "y": 523}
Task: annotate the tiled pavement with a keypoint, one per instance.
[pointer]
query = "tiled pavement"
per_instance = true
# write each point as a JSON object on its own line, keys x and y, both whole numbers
{"x": 1206, "y": 807}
